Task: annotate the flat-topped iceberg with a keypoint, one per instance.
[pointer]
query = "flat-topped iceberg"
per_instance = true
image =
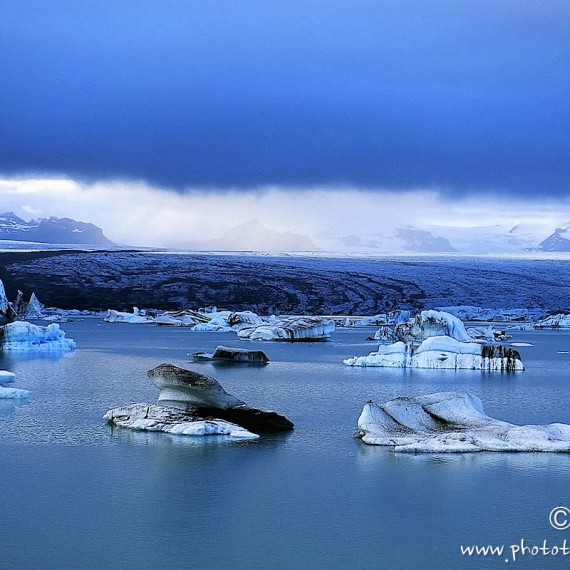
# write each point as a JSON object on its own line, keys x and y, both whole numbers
{"x": 193, "y": 404}
{"x": 442, "y": 352}
{"x": 237, "y": 355}
{"x": 452, "y": 422}
{"x": 147, "y": 417}
{"x": 290, "y": 329}
{"x": 24, "y": 336}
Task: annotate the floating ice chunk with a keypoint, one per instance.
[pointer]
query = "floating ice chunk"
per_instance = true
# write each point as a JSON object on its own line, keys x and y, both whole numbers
{"x": 237, "y": 355}
{"x": 217, "y": 324}
{"x": 560, "y": 321}
{"x": 135, "y": 317}
{"x": 521, "y": 344}
{"x": 391, "y": 356}
{"x": 24, "y": 336}
{"x": 193, "y": 404}
{"x": 441, "y": 352}
{"x": 6, "y": 376}
{"x": 148, "y": 417}
{"x": 243, "y": 319}
{"x": 291, "y": 329}
{"x": 13, "y": 393}
{"x": 452, "y": 422}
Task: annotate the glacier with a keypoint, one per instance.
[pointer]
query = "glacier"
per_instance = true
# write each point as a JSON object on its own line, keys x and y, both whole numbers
{"x": 452, "y": 422}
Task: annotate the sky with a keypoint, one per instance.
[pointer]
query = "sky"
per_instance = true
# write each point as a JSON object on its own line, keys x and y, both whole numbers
{"x": 452, "y": 101}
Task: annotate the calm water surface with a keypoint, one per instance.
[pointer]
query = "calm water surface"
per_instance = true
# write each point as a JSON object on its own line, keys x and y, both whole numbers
{"x": 78, "y": 494}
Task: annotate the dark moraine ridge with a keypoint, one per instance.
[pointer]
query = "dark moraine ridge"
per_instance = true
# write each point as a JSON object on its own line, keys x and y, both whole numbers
{"x": 283, "y": 284}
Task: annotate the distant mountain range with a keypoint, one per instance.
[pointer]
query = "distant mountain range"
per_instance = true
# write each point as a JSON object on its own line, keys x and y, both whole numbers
{"x": 51, "y": 230}
{"x": 253, "y": 236}
{"x": 496, "y": 239}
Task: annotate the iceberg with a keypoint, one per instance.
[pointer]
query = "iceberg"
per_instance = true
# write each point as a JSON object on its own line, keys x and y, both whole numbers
{"x": 290, "y": 329}
{"x": 24, "y": 336}
{"x": 433, "y": 323}
{"x": 435, "y": 339}
{"x": 452, "y": 422}
{"x": 238, "y": 355}
{"x": 10, "y": 393}
{"x": 190, "y": 403}
{"x": 442, "y": 352}
{"x": 6, "y": 376}
{"x": 32, "y": 309}
{"x": 135, "y": 317}
{"x": 180, "y": 319}
{"x": 13, "y": 393}
{"x": 560, "y": 321}
{"x": 147, "y": 417}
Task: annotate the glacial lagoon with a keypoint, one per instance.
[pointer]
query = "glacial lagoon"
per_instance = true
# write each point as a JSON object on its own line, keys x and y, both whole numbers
{"x": 79, "y": 494}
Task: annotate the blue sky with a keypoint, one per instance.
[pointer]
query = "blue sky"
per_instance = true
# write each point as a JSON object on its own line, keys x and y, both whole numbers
{"x": 463, "y": 97}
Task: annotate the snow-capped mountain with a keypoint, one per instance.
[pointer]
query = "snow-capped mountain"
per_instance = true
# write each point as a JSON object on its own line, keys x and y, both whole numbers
{"x": 51, "y": 230}
{"x": 556, "y": 241}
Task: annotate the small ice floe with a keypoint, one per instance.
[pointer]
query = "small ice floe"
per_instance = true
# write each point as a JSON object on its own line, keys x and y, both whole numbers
{"x": 22, "y": 336}
{"x": 452, "y": 422}
{"x": 237, "y": 355}
{"x": 563, "y": 352}
{"x": 13, "y": 393}
{"x": 192, "y": 404}
{"x": 290, "y": 329}
{"x": 521, "y": 344}
{"x": 6, "y": 376}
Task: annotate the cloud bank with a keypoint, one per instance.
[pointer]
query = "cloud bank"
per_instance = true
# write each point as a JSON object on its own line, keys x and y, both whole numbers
{"x": 468, "y": 97}
{"x": 334, "y": 219}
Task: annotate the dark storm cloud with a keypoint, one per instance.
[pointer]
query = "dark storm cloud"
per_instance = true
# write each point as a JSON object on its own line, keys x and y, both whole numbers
{"x": 467, "y": 95}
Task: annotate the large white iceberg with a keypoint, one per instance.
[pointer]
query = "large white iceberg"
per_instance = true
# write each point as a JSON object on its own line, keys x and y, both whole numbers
{"x": 436, "y": 339}
{"x": 290, "y": 329}
{"x": 441, "y": 352}
{"x": 24, "y": 336}
{"x": 452, "y": 422}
